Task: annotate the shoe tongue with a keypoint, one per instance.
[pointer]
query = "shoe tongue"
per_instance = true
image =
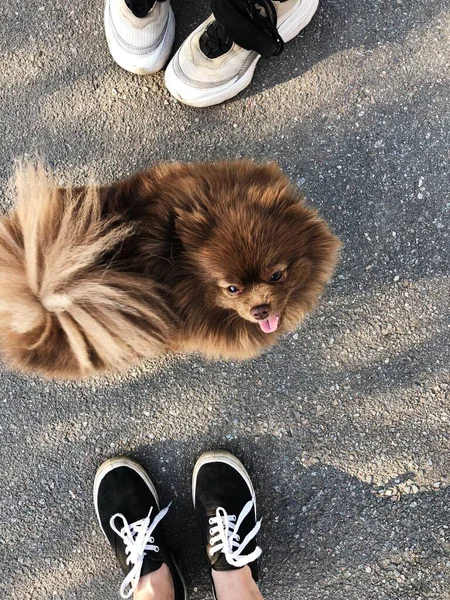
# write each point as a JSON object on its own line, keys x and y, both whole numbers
{"x": 221, "y": 564}
{"x": 217, "y": 560}
{"x": 215, "y": 42}
{"x": 152, "y": 559}
{"x": 151, "y": 563}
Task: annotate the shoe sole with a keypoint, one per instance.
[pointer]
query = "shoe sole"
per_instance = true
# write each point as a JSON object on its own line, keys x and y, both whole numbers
{"x": 141, "y": 65}
{"x": 289, "y": 29}
{"x": 123, "y": 461}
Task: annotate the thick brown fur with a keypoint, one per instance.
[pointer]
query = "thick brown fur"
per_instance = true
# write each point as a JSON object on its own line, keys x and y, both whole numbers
{"x": 97, "y": 278}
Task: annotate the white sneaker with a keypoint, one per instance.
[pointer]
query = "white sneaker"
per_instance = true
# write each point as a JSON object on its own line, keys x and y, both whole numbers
{"x": 211, "y": 67}
{"x": 141, "y": 45}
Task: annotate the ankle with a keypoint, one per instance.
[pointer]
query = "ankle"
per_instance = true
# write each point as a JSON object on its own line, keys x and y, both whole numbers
{"x": 237, "y": 584}
{"x": 155, "y": 586}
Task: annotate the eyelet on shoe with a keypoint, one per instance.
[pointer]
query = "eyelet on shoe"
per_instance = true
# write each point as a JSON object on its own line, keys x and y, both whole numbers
{"x": 151, "y": 540}
{"x": 211, "y": 521}
{"x": 211, "y": 532}
{"x": 156, "y": 548}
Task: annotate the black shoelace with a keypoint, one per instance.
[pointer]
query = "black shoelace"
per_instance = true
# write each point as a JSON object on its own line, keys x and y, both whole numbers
{"x": 252, "y": 24}
{"x": 140, "y": 8}
{"x": 215, "y": 41}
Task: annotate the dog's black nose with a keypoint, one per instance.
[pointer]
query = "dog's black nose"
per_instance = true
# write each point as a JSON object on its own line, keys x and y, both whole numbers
{"x": 260, "y": 312}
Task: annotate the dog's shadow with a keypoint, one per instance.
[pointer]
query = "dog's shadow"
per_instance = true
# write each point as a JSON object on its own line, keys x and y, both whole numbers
{"x": 323, "y": 524}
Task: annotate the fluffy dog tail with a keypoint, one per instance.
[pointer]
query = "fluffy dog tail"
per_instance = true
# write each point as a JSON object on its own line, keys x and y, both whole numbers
{"x": 69, "y": 306}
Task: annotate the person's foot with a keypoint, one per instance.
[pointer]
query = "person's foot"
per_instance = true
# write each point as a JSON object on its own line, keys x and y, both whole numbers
{"x": 127, "y": 508}
{"x": 140, "y": 33}
{"x": 224, "y": 500}
{"x": 218, "y": 59}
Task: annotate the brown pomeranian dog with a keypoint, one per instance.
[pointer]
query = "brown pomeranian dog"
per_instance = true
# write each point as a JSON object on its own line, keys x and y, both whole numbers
{"x": 216, "y": 258}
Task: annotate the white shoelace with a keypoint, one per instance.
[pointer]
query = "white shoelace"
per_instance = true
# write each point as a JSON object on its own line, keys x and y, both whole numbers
{"x": 137, "y": 538}
{"x": 225, "y": 537}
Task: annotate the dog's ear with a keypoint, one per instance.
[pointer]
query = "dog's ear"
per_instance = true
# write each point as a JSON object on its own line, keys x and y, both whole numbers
{"x": 319, "y": 243}
{"x": 193, "y": 226}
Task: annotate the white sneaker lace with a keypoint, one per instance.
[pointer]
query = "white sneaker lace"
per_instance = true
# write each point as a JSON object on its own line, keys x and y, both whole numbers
{"x": 225, "y": 537}
{"x": 137, "y": 538}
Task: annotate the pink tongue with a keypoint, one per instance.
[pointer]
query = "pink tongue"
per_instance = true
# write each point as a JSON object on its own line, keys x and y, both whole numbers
{"x": 270, "y": 325}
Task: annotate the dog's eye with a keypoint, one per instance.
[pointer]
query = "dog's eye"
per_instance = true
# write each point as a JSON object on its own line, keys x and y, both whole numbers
{"x": 233, "y": 289}
{"x": 276, "y": 276}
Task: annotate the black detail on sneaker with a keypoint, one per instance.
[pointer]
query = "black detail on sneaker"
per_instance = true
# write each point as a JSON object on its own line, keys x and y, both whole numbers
{"x": 252, "y": 24}
{"x": 225, "y": 504}
{"x": 124, "y": 491}
{"x": 214, "y": 41}
{"x": 140, "y": 8}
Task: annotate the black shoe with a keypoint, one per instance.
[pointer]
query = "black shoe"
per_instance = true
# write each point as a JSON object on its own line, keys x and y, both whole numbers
{"x": 224, "y": 500}
{"x": 128, "y": 511}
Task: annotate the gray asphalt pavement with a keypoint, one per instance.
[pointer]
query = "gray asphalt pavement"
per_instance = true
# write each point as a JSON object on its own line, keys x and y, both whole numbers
{"x": 345, "y": 426}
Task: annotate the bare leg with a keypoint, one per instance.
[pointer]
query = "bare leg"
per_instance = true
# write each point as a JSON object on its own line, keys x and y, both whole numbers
{"x": 236, "y": 585}
{"x": 155, "y": 586}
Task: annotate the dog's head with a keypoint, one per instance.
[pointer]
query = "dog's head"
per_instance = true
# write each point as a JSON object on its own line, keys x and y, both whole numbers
{"x": 262, "y": 253}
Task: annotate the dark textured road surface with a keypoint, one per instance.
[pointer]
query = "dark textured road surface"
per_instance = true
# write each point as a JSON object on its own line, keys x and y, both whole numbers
{"x": 345, "y": 425}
